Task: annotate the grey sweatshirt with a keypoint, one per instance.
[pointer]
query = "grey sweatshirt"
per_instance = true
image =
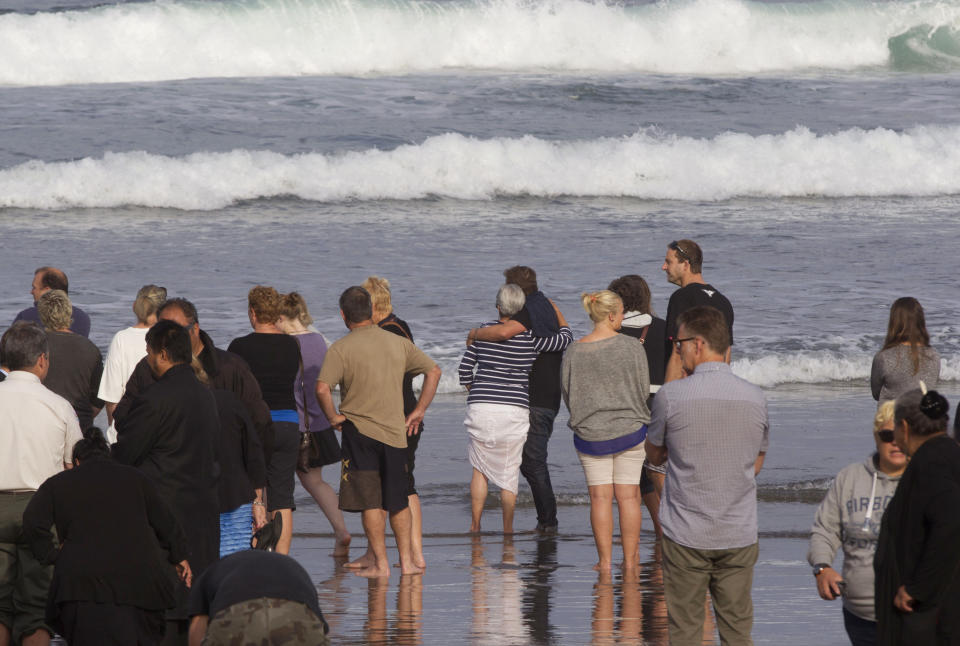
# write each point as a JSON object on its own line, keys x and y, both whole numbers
{"x": 842, "y": 520}
{"x": 605, "y": 386}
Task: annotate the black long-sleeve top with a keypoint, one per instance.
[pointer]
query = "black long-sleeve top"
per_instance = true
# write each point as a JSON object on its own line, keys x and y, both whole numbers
{"x": 242, "y": 465}
{"x": 919, "y": 543}
{"x": 119, "y": 538}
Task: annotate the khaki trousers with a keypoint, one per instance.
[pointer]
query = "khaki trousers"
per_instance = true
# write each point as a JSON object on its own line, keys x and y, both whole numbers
{"x": 687, "y": 575}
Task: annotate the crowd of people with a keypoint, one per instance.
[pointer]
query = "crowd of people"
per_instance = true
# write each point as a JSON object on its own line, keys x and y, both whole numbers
{"x": 141, "y": 534}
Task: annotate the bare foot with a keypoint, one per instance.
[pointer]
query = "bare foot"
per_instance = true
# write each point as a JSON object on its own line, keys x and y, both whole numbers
{"x": 342, "y": 547}
{"x": 412, "y": 569}
{"x": 365, "y": 561}
{"x": 602, "y": 566}
{"x": 420, "y": 563}
{"x": 474, "y": 529}
{"x": 373, "y": 573}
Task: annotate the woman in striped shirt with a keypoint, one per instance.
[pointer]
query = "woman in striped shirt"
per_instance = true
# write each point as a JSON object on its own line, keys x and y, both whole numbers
{"x": 497, "y": 420}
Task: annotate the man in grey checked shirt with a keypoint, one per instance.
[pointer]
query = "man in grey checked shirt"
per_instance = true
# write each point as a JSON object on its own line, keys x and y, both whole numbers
{"x": 713, "y": 426}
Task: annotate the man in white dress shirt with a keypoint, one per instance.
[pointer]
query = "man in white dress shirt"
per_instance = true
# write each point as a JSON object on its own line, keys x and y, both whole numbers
{"x": 38, "y": 429}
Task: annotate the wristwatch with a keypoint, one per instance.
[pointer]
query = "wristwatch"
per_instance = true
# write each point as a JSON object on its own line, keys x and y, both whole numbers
{"x": 820, "y": 567}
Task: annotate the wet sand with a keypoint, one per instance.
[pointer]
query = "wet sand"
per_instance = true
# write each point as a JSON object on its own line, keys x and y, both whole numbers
{"x": 530, "y": 589}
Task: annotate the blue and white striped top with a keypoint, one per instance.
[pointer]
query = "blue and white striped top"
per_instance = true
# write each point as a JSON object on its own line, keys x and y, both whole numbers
{"x": 498, "y": 372}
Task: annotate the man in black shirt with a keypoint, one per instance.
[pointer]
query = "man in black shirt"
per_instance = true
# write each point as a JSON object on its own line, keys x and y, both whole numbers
{"x": 256, "y": 597}
{"x": 539, "y": 316}
{"x": 684, "y": 266}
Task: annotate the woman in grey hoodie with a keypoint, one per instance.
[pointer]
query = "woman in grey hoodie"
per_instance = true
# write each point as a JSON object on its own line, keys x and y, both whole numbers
{"x": 849, "y": 516}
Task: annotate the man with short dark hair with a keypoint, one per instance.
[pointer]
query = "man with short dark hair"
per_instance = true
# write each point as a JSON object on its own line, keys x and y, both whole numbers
{"x": 45, "y": 279}
{"x": 539, "y": 315}
{"x": 369, "y": 364}
{"x": 714, "y": 429}
{"x": 171, "y": 433}
{"x": 684, "y": 267}
{"x": 38, "y": 429}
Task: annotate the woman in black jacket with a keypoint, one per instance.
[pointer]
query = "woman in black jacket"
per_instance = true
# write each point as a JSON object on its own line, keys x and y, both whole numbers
{"x": 120, "y": 553}
{"x": 917, "y": 564}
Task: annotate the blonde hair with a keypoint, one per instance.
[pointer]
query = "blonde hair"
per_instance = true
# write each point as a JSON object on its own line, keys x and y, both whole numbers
{"x": 884, "y": 415}
{"x": 55, "y": 310}
{"x": 379, "y": 290}
{"x": 148, "y": 301}
{"x": 265, "y": 303}
{"x": 294, "y": 307}
{"x": 600, "y": 304}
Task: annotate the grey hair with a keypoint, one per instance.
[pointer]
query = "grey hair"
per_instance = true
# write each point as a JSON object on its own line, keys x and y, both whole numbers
{"x": 22, "y": 345}
{"x": 510, "y": 299}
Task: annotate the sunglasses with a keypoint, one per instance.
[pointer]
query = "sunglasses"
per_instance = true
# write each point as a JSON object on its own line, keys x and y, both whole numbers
{"x": 885, "y": 436}
{"x": 677, "y": 342}
{"x": 676, "y": 247}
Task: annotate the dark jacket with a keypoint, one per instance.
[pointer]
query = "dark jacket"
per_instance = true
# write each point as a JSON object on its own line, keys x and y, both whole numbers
{"x": 226, "y": 371}
{"x": 242, "y": 467}
{"x": 118, "y": 538}
{"x": 171, "y": 432}
{"x": 919, "y": 548}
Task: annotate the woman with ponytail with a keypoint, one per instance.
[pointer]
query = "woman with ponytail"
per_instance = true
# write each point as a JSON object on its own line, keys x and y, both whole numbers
{"x": 917, "y": 563}
{"x": 120, "y": 549}
{"x": 606, "y": 383}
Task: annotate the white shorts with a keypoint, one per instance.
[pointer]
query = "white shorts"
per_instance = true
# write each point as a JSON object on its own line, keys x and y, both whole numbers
{"x": 617, "y": 468}
{"x": 497, "y": 434}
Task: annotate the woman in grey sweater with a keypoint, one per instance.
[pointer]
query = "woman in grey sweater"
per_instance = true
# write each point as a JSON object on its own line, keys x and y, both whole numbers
{"x": 605, "y": 383}
{"x": 850, "y": 516}
{"x": 906, "y": 358}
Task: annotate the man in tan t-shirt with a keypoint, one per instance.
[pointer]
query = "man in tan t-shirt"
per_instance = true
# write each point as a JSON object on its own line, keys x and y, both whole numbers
{"x": 369, "y": 364}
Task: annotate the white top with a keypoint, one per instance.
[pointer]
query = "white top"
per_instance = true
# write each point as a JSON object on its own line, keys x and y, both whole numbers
{"x": 126, "y": 350}
{"x": 38, "y": 429}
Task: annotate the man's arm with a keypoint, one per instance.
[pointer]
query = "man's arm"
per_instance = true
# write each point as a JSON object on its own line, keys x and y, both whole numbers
{"x": 325, "y": 399}
{"x": 431, "y": 379}
{"x": 758, "y": 463}
{"x": 657, "y": 455}
{"x": 496, "y": 333}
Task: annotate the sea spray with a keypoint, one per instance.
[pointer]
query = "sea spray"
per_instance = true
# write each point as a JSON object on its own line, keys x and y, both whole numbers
{"x": 140, "y": 42}
{"x": 922, "y": 161}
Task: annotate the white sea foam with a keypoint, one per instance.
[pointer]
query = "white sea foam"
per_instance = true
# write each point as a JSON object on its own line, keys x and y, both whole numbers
{"x": 185, "y": 39}
{"x": 923, "y": 161}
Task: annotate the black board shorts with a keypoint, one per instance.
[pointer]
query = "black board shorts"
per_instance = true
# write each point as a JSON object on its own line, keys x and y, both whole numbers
{"x": 373, "y": 475}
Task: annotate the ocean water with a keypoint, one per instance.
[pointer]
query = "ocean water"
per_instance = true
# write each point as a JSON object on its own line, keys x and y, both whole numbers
{"x": 811, "y": 148}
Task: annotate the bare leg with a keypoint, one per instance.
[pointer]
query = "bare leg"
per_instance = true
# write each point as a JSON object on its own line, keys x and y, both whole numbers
{"x": 657, "y": 479}
{"x": 329, "y": 504}
{"x": 401, "y": 523}
{"x": 286, "y": 532}
{"x": 374, "y": 528}
{"x": 631, "y": 517}
{"x": 652, "y": 502}
{"x": 478, "y": 496}
{"x": 5, "y": 637}
{"x": 601, "y": 519}
{"x": 39, "y": 637}
{"x": 416, "y": 530}
{"x": 368, "y": 559}
{"x": 508, "y": 500}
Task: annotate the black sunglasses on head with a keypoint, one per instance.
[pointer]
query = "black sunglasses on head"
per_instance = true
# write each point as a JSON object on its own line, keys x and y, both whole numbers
{"x": 885, "y": 436}
{"x": 676, "y": 247}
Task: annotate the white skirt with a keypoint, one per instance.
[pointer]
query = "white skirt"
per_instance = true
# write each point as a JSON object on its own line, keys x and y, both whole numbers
{"x": 497, "y": 434}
